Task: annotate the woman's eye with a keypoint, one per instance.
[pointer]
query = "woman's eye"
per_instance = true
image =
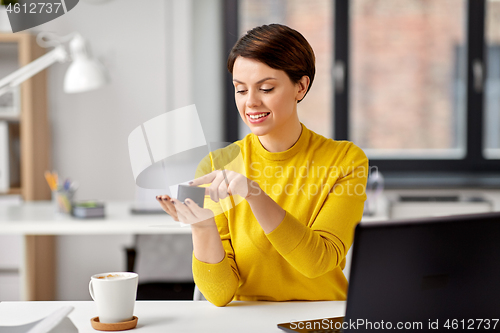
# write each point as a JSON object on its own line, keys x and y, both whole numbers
{"x": 267, "y": 90}
{"x": 240, "y": 91}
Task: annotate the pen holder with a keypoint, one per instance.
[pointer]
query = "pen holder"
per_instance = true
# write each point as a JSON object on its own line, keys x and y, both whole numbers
{"x": 62, "y": 200}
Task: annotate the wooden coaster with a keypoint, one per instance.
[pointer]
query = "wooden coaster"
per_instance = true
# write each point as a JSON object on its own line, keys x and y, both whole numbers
{"x": 121, "y": 326}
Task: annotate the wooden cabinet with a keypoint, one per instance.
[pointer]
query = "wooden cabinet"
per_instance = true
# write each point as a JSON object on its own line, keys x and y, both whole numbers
{"x": 31, "y": 130}
{"x": 32, "y": 127}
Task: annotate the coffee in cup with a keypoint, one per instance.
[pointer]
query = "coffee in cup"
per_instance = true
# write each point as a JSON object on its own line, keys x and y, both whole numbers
{"x": 114, "y": 294}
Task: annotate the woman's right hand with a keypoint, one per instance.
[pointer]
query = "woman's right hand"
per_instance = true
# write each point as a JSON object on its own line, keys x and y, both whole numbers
{"x": 188, "y": 213}
{"x": 167, "y": 205}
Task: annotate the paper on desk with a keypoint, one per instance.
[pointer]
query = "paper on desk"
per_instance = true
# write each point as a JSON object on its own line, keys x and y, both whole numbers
{"x": 57, "y": 322}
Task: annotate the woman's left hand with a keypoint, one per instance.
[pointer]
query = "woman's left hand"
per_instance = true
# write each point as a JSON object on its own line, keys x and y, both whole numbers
{"x": 225, "y": 183}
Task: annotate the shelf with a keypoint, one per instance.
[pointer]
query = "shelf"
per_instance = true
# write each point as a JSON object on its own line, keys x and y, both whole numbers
{"x": 11, "y": 119}
{"x": 32, "y": 125}
{"x": 32, "y": 149}
{"x": 14, "y": 38}
{"x": 14, "y": 190}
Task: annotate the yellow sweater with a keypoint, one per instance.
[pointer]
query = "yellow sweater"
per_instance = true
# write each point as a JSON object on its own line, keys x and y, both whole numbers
{"x": 320, "y": 184}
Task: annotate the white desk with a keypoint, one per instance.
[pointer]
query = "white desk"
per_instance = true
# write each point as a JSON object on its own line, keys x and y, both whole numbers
{"x": 183, "y": 316}
{"x": 39, "y": 218}
{"x": 38, "y": 222}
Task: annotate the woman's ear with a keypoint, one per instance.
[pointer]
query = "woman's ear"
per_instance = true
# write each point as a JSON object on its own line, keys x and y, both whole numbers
{"x": 302, "y": 86}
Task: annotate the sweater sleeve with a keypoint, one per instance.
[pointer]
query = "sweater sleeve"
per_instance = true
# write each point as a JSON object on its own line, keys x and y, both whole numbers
{"x": 217, "y": 282}
{"x": 328, "y": 238}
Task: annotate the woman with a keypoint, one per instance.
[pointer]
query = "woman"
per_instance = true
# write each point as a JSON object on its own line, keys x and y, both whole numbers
{"x": 302, "y": 193}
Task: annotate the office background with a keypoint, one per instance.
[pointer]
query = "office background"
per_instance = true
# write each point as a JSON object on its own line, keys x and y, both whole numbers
{"x": 401, "y": 90}
{"x": 160, "y": 55}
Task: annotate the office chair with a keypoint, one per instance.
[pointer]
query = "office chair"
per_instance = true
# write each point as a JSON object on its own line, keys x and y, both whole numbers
{"x": 163, "y": 263}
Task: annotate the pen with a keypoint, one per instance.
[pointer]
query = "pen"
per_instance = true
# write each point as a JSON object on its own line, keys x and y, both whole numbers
{"x": 51, "y": 181}
{"x": 73, "y": 186}
{"x": 56, "y": 179}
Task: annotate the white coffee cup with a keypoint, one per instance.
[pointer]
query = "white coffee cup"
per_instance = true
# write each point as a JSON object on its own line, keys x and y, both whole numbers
{"x": 114, "y": 294}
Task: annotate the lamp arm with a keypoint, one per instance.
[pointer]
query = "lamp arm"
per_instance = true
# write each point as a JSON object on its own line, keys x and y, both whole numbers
{"x": 58, "y": 54}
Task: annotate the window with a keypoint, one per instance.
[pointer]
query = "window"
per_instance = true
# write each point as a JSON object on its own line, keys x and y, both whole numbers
{"x": 415, "y": 83}
{"x": 309, "y": 18}
{"x": 407, "y": 79}
{"x": 492, "y": 92}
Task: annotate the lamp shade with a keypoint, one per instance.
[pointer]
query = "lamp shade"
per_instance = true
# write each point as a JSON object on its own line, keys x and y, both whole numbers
{"x": 83, "y": 74}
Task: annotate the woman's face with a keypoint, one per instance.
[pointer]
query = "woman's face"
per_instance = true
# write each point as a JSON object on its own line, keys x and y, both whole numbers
{"x": 266, "y": 98}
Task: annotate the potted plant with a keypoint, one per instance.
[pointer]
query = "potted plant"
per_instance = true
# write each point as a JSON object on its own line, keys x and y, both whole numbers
{"x": 4, "y": 18}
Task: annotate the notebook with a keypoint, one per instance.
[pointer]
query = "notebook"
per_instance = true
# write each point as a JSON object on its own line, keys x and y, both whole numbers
{"x": 425, "y": 275}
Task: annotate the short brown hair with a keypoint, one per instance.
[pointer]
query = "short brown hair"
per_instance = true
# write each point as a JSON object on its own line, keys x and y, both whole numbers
{"x": 278, "y": 46}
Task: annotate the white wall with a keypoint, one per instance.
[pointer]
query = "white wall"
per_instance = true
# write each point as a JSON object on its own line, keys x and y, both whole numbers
{"x": 209, "y": 66}
{"x": 89, "y": 130}
{"x": 161, "y": 55}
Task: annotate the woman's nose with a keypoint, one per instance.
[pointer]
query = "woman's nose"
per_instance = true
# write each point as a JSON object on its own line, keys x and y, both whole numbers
{"x": 252, "y": 100}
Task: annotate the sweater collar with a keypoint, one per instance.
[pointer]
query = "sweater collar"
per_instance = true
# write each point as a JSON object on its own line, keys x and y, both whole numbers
{"x": 282, "y": 155}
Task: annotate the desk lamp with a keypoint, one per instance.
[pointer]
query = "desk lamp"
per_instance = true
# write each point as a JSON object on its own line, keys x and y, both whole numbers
{"x": 83, "y": 74}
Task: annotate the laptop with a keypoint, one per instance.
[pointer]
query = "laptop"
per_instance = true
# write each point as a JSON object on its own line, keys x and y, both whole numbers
{"x": 422, "y": 275}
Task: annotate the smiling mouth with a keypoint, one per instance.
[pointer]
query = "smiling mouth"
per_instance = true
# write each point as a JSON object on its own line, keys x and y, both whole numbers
{"x": 258, "y": 116}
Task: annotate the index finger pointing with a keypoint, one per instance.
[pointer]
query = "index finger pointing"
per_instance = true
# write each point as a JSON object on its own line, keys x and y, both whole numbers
{"x": 207, "y": 179}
